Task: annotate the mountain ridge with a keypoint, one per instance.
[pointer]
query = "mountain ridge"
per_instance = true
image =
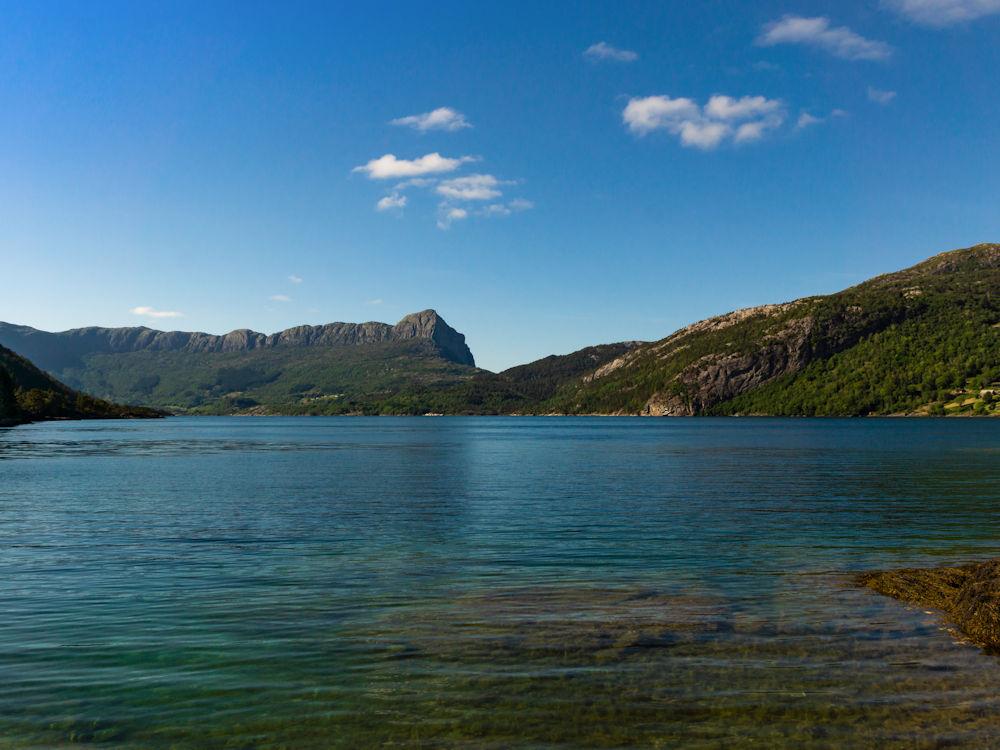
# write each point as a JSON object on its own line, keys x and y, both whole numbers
{"x": 56, "y": 350}
{"x": 922, "y": 340}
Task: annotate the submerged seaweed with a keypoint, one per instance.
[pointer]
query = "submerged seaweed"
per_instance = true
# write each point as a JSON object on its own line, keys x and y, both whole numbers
{"x": 969, "y": 595}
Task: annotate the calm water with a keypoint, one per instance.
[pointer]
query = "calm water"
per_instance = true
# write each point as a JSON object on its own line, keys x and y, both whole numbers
{"x": 480, "y": 582}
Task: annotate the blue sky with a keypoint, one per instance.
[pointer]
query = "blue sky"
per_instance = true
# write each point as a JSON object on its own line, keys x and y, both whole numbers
{"x": 203, "y": 159}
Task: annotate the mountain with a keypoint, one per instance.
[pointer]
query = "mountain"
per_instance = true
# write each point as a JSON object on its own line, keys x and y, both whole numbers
{"x": 334, "y": 368}
{"x": 27, "y": 394}
{"x": 925, "y": 340}
{"x": 523, "y": 389}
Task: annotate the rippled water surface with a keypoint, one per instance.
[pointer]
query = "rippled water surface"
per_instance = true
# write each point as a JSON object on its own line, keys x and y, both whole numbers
{"x": 480, "y": 582}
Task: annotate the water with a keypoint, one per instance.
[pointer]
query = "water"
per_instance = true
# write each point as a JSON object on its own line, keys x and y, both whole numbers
{"x": 488, "y": 582}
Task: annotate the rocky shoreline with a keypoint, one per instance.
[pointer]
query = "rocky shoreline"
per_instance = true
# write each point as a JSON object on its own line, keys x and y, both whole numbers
{"x": 968, "y": 595}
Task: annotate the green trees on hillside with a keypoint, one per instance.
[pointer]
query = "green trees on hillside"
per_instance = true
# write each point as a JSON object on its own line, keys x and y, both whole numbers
{"x": 8, "y": 396}
{"x": 922, "y": 362}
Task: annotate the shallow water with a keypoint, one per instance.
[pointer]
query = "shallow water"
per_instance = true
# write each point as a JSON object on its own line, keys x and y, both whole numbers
{"x": 488, "y": 582}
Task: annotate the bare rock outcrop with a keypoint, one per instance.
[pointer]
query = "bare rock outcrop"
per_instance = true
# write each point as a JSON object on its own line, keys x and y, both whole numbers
{"x": 55, "y": 351}
{"x": 719, "y": 377}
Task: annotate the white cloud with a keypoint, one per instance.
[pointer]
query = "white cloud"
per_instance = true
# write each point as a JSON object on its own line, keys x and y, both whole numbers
{"x": 721, "y": 107}
{"x": 390, "y": 202}
{"x": 879, "y": 96}
{"x": 723, "y": 117}
{"x": 389, "y": 167}
{"x": 376, "y": 301}
{"x": 473, "y": 187}
{"x": 806, "y": 119}
{"x": 604, "y": 51}
{"x": 645, "y": 114}
{"x": 943, "y": 12}
{"x": 500, "y": 209}
{"x": 839, "y": 41}
{"x": 442, "y": 118}
{"x": 495, "y": 209}
{"x": 280, "y": 298}
{"x": 295, "y": 279}
{"x": 150, "y": 312}
{"x": 703, "y": 135}
{"x": 448, "y": 215}
{"x": 751, "y": 131}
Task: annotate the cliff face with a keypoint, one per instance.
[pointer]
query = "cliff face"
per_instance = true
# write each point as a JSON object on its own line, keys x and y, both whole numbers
{"x": 429, "y": 325}
{"x": 897, "y": 343}
{"x": 57, "y": 351}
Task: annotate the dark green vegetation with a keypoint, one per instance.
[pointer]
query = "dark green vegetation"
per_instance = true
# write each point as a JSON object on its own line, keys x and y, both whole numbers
{"x": 925, "y": 340}
{"x": 27, "y": 394}
{"x": 921, "y": 341}
{"x": 333, "y": 369}
{"x": 969, "y": 595}
{"x": 524, "y": 389}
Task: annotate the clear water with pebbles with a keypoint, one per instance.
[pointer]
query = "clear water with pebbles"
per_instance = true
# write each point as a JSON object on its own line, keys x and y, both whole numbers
{"x": 480, "y": 582}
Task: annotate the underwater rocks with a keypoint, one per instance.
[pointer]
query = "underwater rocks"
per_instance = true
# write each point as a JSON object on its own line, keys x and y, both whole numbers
{"x": 969, "y": 595}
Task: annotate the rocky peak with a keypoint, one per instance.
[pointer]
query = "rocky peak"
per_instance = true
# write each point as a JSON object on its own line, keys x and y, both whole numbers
{"x": 56, "y": 351}
{"x": 428, "y": 324}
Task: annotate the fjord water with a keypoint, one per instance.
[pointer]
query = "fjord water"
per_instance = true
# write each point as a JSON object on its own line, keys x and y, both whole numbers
{"x": 488, "y": 582}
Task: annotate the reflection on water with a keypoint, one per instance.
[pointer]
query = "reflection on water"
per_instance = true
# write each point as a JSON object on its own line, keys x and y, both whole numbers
{"x": 312, "y": 583}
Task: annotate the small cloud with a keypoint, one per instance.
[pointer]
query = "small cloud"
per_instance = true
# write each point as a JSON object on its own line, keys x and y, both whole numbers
{"x": 604, "y": 51}
{"x": 501, "y": 209}
{"x": 450, "y": 215}
{"x": 389, "y": 167}
{"x": 722, "y": 107}
{"x": 939, "y": 13}
{"x": 750, "y": 131}
{"x": 391, "y": 202}
{"x": 495, "y": 209}
{"x": 150, "y": 312}
{"x": 474, "y": 187}
{"x": 806, "y": 119}
{"x": 703, "y": 135}
{"x": 442, "y": 118}
{"x": 839, "y": 41}
{"x": 723, "y": 117}
{"x": 765, "y": 66}
{"x": 376, "y": 301}
{"x": 879, "y": 96}
{"x": 645, "y": 114}
{"x": 280, "y": 298}
{"x": 295, "y": 279}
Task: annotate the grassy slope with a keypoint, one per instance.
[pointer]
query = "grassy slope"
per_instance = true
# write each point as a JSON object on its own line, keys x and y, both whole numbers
{"x": 921, "y": 340}
{"x": 903, "y": 342}
{"x": 390, "y": 378}
{"x": 290, "y": 380}
{"x": 520, "y": 389}
{"x": 947, "y": 343}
